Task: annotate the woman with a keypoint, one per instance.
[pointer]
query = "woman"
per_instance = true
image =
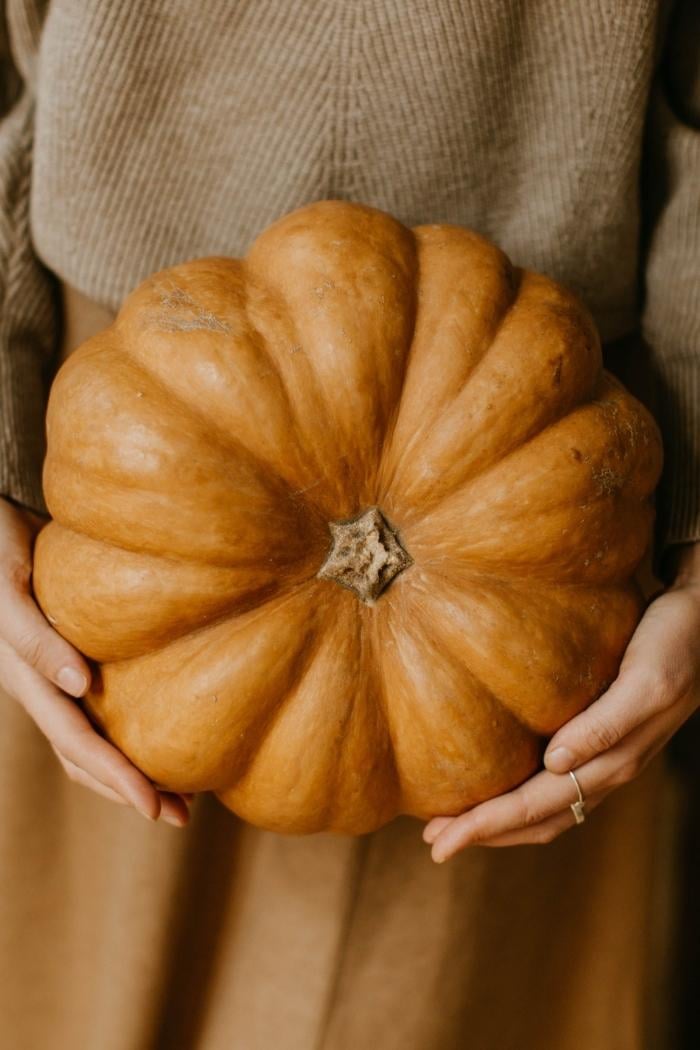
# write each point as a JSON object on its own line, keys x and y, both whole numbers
{"x": 138, "y": 135}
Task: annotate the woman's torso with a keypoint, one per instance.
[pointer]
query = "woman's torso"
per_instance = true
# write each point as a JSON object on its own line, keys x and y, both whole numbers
{"x": 164, "y": 133}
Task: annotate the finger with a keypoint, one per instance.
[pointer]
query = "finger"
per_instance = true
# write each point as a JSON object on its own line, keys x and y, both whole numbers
{"x": 547, "y": 830}
{"x": 631, "y": 701}
{"x": 626, "y": 761}
{"x": 173, "y": 807}
{"x": 66, "y": 726}
{"x": 659, "y": 668}
{"x": 177, "y": 803}
{"x": 542, "y": 796}
{"x": 433, "y": 828}
{"x": 546, "y": 794}
{"x": 25, "y": 629}
{"x": 613, "y": 768}
{"x": 627, "y": 704}
{"x": 188, "y": 795}
{"x": 79, "y": 776}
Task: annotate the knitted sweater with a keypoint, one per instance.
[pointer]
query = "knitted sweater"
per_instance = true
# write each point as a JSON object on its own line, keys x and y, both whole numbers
{"x": 136, "y": 135}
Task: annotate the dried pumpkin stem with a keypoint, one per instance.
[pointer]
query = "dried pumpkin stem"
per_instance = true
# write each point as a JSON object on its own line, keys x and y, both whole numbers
{"x": 365, "y": 555}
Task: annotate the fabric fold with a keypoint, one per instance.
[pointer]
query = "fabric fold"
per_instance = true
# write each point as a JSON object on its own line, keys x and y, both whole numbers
{"x": 29, "y": 308}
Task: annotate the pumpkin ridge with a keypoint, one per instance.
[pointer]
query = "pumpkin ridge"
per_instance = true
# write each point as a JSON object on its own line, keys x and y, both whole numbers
{"x": 519, "y": 569}
{"x": 320, "y": 403}
{"x": 295, "y": 301}
{"x": 515, "y": 276}
{"x": 378, "y": 628}
{"x": 466, "y": 573}
{"x": 541, "y": 607}
{"x": 202, "y": 559}
{"x": 333, "y": 799}
{"x": 255, "y": 279}
{"x": 632, "y": 494}
{"x": 227, "y": 442}
{"x": 395, "y": 407}
{"x": 530, "y": 290}
{"x": 370, "y": 668}
{"x": 264, "y": 726}
{"x": 104, "y": 579}
{"x": 419, "y": 630}
{"x": 123, "y": 700}
{"x": 256, "y": 600}
{"x": 232, "y": 470}
{"x": 255, "y": 611}
{"x": 436, "y": 641}
{"x": 182, "y": 284}
{"x": 336, "y": 808}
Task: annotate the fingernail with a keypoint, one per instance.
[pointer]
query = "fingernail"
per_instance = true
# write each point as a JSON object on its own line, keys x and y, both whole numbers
{"x": 72, "y": 681}
{"x": 175, "y": 821}
{"x": 560, "y": 760}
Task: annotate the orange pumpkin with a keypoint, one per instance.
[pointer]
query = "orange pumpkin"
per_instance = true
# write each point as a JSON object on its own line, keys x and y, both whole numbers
{"x": 349, "y": 525}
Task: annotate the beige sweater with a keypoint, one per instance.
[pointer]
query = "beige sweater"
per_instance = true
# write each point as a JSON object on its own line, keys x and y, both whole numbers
{"x": 135, "y": 135}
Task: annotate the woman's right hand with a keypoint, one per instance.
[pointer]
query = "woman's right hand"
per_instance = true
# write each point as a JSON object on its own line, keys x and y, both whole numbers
{"x": 44, "y": 673}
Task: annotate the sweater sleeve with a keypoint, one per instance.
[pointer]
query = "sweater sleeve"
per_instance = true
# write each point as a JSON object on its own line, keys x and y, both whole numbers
{"x": 29, "y": 300}
{"x": 671, "y": 314}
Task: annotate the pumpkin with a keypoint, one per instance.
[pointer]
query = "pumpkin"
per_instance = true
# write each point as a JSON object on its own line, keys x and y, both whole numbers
{"x": 349, "y": 526}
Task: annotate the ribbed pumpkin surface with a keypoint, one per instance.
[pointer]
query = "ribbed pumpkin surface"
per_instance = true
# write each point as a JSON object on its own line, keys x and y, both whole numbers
{"x": 200, "y": 448}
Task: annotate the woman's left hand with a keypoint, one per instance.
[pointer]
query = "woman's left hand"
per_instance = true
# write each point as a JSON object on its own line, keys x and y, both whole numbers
{"x": 657, "y": 689}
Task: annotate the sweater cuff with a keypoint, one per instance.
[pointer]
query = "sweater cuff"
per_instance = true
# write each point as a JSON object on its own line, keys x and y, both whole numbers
{"x": 29, "y": 319}
{"x": 678, "y": 495}
{"x": 22, "y": 445}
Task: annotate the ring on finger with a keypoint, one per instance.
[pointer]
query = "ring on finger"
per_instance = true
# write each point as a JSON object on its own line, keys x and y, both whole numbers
{"x": 577, "y": 807}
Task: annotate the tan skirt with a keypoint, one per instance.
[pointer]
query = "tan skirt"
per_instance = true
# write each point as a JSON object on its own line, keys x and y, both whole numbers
{"x": 118, "y": 934}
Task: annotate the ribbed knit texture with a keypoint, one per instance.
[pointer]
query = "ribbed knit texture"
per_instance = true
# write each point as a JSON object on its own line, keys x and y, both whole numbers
{"x": 164, "y": 131}
{"x": 29, "y": 317}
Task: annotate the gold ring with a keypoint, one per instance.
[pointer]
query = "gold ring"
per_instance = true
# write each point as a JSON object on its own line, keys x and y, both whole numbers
{"x": 577, "y": 807}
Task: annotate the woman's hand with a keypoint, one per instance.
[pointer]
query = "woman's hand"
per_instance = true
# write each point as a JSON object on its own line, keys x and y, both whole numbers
{"x": 657, "y": 689}
{"x": 38, "y": 668}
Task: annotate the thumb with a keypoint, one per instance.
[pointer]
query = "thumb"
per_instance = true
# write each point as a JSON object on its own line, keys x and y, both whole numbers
{"x": 24, "y": 628}
{"x": 22, "y": 624}
{"x": 658, "y": 669}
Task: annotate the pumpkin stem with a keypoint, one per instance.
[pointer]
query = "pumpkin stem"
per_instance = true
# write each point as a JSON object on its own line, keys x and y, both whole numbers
{"x": 365, "y": 555}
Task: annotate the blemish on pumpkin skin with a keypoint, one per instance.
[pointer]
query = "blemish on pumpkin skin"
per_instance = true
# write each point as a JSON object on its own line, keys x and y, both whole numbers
{"x": 177, "y": 298}
{"x": 556, "y": 374}
{"x": 608, "y": 481}
{"x": 203, "y": 321}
